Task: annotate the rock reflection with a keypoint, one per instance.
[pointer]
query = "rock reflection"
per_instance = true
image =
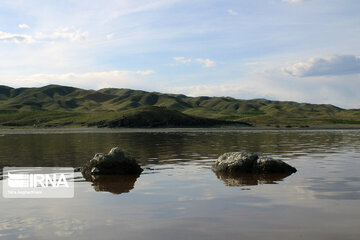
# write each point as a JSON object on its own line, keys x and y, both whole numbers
{"x": 247, "y": 179}
{"x": 115, "y": 184}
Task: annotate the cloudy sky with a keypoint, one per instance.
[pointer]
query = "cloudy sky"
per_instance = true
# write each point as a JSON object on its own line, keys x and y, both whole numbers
{"x": 300, "y": 50}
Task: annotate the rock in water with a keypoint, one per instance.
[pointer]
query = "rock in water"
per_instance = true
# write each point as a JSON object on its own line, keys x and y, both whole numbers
{"x": 241, "y": 162}
{"x": 115, "y": 162}
{"x": 269, "y": 165}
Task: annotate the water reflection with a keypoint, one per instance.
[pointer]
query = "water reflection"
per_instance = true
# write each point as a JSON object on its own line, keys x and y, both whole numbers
{"x": 115, "y": 184}
{"x": 178, "y": 195}
{"x": 73, "y": 149}
{"x": 347, "y": 188}
{"x": 247, "y": 179}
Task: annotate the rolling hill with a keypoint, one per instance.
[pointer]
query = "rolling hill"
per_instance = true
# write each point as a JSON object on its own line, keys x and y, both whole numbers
{"x": 55, "y": 105}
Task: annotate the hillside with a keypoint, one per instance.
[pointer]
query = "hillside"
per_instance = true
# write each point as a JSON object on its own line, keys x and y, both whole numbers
{"x": 56, "y": 105}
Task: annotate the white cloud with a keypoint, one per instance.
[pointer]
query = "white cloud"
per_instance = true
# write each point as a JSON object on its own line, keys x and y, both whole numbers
{"x": 121, "y": 8}
{"x": 232, "y": 12}
{"x": 240, "y": 90}
{"x": 182, "y": 59}
{"x": 255, "y": 63}
{"x": 64, "y": 33}
{"x": 23, "y": 25}
{"x": 94, "y": 80}
{"x": 341, "y": 90}
{"x": 16, "y": 38}
{"x": 146, "y": 72}
{"x": 272, "y": 84}
{"x": 209, "y": 90}
{"x": 328, "y": 66}
{"x": 207, "y": 63}
{"x": 294, "y": 1}
{"x": 110, "y": 36}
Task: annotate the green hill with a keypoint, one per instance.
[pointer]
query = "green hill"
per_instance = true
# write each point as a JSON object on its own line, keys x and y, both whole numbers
{"x": 55, "y": 105}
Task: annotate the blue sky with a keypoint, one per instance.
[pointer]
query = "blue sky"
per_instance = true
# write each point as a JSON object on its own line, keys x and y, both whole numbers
{"x": 299, "y": 50}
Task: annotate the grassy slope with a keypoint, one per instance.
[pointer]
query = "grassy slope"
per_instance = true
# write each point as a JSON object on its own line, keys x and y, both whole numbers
{"x": 59, "y": 105}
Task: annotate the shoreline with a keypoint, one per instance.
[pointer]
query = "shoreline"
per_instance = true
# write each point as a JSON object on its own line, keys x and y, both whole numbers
{"x": 10, "y": 131}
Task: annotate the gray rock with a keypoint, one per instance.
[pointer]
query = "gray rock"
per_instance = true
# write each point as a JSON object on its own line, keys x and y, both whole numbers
{"x": 115, "y": 162}
{"x": 269, "y": 165}
{"x": 241, "y": 162}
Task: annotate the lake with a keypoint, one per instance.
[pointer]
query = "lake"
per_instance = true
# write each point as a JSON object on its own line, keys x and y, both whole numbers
{"x": 178, "y": 195}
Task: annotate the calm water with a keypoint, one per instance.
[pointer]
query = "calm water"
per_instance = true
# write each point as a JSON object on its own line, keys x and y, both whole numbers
{"x": 178, "y": 196}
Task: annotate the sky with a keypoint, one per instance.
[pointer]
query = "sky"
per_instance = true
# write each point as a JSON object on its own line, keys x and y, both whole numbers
{"x": 288, "y": 50}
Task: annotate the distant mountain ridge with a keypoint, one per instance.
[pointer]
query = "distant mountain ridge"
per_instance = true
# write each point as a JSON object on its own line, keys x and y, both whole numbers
{"x": 70, "y": 101}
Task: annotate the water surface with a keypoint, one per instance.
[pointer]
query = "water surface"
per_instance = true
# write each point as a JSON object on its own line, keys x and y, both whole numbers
{"x": 179, "y": 196}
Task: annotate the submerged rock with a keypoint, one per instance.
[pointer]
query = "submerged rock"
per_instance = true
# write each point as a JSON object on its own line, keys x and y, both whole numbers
{"x": 241, "y": 162}
{"x": 116, "y": 162}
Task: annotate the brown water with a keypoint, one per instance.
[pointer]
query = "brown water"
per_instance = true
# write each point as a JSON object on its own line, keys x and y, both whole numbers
{"x": 178, "y": 196}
